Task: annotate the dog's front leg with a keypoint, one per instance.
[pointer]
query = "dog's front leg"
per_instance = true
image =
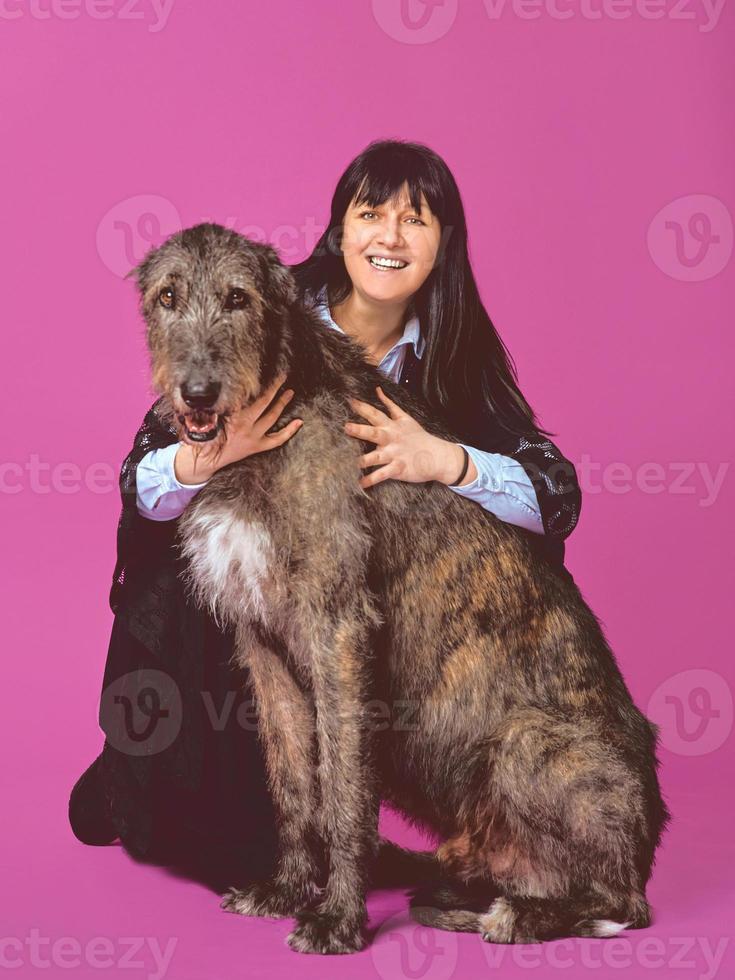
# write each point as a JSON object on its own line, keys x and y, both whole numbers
{"x": 349, "y": 802}
{"x": 286, "y": 728}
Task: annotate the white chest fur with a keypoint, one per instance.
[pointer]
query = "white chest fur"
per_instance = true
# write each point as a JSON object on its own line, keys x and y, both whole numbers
{"x": 229, "y": 559}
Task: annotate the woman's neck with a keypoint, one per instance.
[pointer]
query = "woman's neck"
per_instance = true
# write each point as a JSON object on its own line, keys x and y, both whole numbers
{"x": 375, "y": 326}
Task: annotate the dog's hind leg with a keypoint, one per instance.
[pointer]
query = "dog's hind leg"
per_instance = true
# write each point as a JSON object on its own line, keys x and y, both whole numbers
{"x": 564, "y": 825}
{"x": 286, "y": 727}
{"x": 577, "y": 829}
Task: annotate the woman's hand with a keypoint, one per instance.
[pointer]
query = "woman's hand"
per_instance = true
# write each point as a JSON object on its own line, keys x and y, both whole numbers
{"x": 405, "y": 451}
{"x": 247, "y": 431}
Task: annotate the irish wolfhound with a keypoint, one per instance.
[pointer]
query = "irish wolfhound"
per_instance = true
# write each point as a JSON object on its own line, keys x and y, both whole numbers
{"x": 506, "y": 727}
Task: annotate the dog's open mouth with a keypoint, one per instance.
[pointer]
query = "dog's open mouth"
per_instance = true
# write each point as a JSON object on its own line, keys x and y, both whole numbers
{"x": 201, "y": 425}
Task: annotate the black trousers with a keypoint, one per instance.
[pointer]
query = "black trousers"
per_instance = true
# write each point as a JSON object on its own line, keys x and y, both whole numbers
{"x": 181, "y": 779}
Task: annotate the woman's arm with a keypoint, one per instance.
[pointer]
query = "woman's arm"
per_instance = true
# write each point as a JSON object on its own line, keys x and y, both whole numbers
{"x": 503, "y": 488}
{"x": 553, "y": 478}
{"x": 403, "y": 447}
{"x": 161, "y": 496}
{"x": 133, "y": 544}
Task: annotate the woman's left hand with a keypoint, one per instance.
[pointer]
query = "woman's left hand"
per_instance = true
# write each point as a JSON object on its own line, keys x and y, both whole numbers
{"x": 404, "y": 450}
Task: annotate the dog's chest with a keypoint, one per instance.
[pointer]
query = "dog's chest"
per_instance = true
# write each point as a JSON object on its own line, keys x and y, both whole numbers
{"x": 231, "y": 559}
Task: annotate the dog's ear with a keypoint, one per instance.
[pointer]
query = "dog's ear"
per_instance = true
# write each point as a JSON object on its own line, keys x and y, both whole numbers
{"x": 139, "y": 272}
{"x": 134, "y": 273}
{"x": 279, "y": 285}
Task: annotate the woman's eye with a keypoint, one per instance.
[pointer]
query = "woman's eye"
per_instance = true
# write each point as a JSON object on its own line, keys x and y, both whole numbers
{"x": 417, "y": 220}
{"x": 365, "y": 213}
{"x": 167, "y": 298}
{"x": 236, "y": 299}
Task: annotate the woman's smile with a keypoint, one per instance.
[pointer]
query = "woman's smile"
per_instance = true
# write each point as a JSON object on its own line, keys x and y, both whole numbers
{"x": 386, "y": 263}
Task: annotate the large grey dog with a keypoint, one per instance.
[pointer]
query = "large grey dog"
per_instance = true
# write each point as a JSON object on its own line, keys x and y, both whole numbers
{"x": 505, "y": 727}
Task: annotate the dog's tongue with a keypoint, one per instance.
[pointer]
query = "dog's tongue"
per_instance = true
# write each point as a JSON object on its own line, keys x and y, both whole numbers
{"x": 201, "y": 421}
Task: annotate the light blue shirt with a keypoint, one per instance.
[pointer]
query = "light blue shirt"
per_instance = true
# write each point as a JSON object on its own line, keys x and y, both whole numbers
{"x": 502, "y": 486}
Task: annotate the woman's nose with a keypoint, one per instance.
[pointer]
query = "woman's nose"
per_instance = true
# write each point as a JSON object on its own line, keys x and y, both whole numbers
{"x": 390, "y": 234}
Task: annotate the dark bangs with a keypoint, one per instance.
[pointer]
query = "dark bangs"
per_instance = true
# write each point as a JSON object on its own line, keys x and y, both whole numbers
{"x": 384, "y": 173}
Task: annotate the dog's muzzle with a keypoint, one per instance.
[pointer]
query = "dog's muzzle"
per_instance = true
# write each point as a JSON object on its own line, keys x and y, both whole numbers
{"x": 202, "y": 423}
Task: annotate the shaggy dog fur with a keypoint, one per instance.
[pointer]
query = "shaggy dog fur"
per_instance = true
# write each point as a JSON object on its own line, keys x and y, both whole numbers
{"x": 403, "y": 643}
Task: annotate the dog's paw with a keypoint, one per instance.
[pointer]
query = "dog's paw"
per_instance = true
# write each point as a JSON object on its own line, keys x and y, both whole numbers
{"x": 498, "y": 924}
{"x": 264, "y": 898}
{"x": 319, "y": 932}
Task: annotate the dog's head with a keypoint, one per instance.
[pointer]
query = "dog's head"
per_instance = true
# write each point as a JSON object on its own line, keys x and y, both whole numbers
{"x": 215, "y": 306}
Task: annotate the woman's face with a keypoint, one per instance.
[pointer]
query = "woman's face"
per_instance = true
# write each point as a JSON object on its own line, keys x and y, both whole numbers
{"x": 390, "y": 250}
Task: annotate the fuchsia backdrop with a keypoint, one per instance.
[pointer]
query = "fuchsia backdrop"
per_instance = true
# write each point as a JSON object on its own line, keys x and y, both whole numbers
{"x": 590, "y": 141}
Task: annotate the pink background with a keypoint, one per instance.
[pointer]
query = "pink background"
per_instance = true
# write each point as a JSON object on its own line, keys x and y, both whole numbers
{"x": 568, "y": 138}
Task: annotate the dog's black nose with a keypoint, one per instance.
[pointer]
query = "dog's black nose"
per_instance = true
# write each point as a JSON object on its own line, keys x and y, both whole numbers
{"x": 200, "y": 394}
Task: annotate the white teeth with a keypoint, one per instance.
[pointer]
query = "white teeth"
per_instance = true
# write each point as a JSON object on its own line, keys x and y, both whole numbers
{"x": 382, "y": 263}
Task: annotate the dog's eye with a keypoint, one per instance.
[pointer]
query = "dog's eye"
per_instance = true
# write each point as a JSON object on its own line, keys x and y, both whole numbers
{"x": 167, "y": 298}
{"x": 237, "y": 299}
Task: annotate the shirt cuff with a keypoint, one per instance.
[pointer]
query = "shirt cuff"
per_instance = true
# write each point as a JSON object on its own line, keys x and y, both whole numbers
{"x": 160, "y": 495}
{"x": 503, "y": 487}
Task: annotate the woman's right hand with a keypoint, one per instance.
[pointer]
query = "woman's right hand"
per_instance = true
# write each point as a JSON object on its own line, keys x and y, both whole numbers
{"x": 247, "y": 430}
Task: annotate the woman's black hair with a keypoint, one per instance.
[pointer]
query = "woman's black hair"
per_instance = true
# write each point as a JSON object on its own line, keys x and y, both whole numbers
{"x": 464, "y": 359}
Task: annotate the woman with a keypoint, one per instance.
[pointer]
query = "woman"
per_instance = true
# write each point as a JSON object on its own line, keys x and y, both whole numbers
{"x": 391, "y": 270}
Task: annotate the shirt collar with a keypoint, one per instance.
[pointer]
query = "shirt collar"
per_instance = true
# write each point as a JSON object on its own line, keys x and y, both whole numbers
{"x": 411, "y": 331}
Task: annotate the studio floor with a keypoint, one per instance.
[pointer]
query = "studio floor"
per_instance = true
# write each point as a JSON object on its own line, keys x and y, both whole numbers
{"x": 80, "y": 911}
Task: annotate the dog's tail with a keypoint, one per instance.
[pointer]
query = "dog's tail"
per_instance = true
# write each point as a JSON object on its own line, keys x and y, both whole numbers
{"x": 398, "y": 867}
{"x": 526, "y": 920}
{"x": 450, "y": 905}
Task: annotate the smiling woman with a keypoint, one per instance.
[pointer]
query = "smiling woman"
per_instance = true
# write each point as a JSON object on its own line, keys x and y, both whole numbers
{"x": 392, "y": 270}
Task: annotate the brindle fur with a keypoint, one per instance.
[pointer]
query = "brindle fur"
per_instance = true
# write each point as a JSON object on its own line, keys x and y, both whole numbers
{"x": 503, "y": 724}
